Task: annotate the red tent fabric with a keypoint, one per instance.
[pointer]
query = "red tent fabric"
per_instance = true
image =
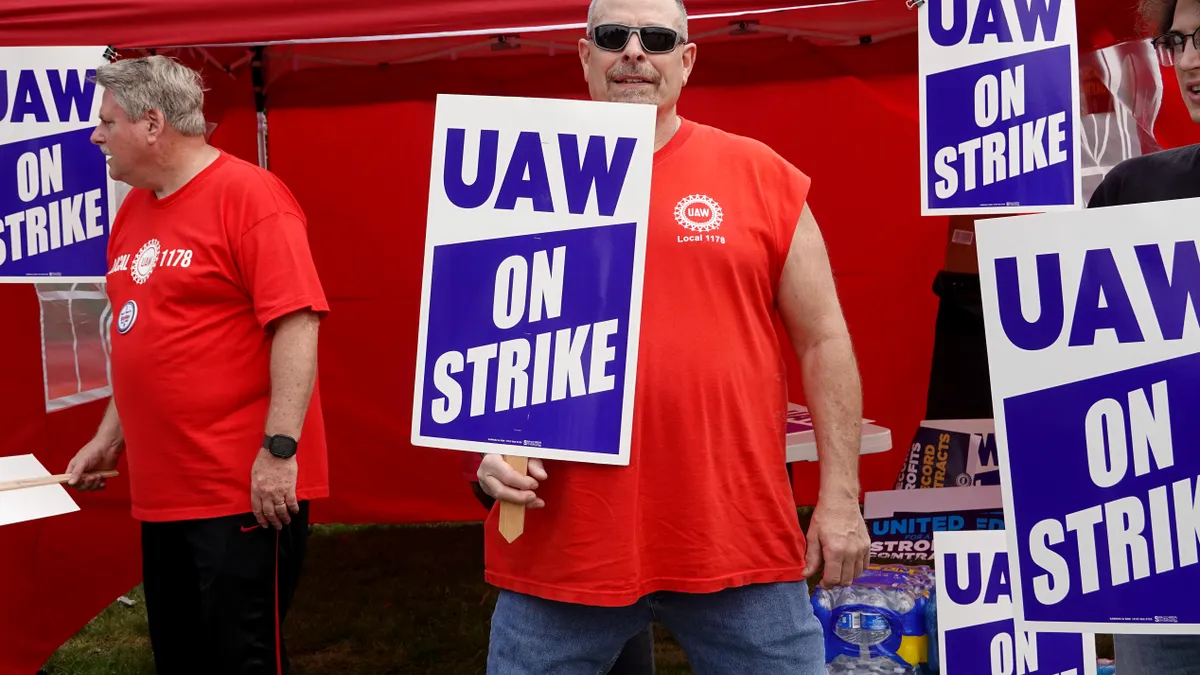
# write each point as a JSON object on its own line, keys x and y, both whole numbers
{"x": 353, "y": 139}
{"x": 145, "y": 23}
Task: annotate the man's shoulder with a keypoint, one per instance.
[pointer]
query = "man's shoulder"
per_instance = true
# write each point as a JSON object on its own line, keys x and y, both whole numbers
{"x": 1155, "y": 163}
{"x": 738, "y": 144}
{"x": 238, "y": 173}
{"x": 1141, "y": 178}
{"x": 249, "y": 183}
{"x": 740, "y": 154}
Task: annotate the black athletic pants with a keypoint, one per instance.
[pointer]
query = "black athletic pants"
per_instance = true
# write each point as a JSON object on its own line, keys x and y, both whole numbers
{"x": 217, "y": 592}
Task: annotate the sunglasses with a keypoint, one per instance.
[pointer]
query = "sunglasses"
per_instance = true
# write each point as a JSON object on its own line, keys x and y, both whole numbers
{"x": 655, "y": 39}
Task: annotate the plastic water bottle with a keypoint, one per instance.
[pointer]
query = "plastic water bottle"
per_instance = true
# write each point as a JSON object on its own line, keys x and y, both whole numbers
{"x": 877, "y": 625}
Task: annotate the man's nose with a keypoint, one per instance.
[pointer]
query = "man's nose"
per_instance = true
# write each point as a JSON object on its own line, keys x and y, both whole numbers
{"x": 633, "y": 49}
{"x": 97, "y": 138}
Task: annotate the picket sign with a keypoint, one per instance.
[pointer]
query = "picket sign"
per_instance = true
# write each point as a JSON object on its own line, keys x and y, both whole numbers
{"x": 976, "y": 631}
{"x": 1094, "y": 351}
{"x": 531, "y": 293}
{"x": 999, "y": 94}
{"x": 57, "y": 200}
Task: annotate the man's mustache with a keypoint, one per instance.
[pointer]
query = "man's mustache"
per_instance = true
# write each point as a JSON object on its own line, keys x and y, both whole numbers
{"x": 649, "y": 77}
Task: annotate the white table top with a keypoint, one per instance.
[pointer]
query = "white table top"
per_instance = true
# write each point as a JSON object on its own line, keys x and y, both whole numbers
{"x": 802, "y": 439}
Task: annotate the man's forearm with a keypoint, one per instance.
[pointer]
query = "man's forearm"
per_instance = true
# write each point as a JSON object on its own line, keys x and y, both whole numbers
{"x": 293, "y": 373}
{"x": 109, "y": 432}
{"x": 834, "y": 393}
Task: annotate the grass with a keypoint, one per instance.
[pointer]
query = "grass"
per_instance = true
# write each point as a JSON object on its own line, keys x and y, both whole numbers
{"x": 383, "y": 600}
{"x": 378, "y": 600}
{"x": 115, "y": 643}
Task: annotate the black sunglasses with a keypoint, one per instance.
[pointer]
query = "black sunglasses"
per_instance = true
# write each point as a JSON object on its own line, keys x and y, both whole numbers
{"x": 655, "y": 39}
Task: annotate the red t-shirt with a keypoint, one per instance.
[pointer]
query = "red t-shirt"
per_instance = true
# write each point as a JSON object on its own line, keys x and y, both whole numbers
{"x": 705, "y": 503}
{"x": 194, "y": 281}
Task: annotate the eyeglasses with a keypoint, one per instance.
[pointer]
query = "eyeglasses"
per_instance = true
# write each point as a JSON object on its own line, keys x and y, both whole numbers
{"x": 1171, "y": 45}
{"x": 655, "y": 39}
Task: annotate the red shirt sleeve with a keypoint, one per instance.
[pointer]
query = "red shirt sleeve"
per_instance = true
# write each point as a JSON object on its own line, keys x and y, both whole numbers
{"x": 278, "y": 269}
{"x": 791, "y": 193}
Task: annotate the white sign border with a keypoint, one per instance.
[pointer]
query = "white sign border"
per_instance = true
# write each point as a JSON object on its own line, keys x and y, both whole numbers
{"x": 621, "y": 458}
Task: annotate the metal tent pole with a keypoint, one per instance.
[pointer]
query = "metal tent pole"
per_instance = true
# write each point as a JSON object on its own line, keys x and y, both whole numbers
{"x": 259, "y": 79}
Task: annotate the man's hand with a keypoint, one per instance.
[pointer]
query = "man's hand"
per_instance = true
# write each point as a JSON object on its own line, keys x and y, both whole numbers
{"x": 502, "y": 482}
{"x": 94, "y": 457}
{"x": 837, "y": 535}
{"x": 273, "y": 490}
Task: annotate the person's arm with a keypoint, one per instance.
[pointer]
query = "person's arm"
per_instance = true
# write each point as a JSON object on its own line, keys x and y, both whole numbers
{"x": 278, "y": 274}
{"x": 812, "y": 315}
{"x": 109, "y": 433}
{"x": 101, "y": 453}
{"x": 293, "y": 376}
{"x": 293, "y": 372}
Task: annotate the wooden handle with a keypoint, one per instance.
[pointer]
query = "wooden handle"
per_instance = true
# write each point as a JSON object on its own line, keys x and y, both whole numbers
{"x": 512, "y": 516}
{"x": 59, "y": 479}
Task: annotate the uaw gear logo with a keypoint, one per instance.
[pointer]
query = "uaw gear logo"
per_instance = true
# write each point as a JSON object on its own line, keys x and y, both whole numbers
{"x": 127, "y": 317}
{"x": 145, "y": 261}
{"x": 698, "y": 213}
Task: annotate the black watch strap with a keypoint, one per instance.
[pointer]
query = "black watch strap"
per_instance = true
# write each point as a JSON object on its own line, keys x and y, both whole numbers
{"x": 281, "y": 446}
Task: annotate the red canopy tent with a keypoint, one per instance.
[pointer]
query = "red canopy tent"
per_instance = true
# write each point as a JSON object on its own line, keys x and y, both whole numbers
{"x": 349, "y": 95}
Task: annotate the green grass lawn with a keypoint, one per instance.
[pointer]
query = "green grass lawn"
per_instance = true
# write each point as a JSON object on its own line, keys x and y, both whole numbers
{"x": 375, "y": 600}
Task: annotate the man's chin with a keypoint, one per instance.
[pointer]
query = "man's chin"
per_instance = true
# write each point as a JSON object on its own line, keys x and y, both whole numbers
{"x": 634, "y": 97}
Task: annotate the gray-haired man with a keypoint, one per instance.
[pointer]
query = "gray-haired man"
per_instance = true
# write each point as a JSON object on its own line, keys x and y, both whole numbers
{"x": 214, "y": 357}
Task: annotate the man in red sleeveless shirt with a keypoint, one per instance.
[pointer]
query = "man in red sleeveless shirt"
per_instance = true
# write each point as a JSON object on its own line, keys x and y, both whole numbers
{"x": 214, "y": 357}
{"x": 700, "y": 530}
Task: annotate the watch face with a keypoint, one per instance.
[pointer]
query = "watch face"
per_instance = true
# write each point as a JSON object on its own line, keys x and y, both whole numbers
{"x": 282, "y": 446}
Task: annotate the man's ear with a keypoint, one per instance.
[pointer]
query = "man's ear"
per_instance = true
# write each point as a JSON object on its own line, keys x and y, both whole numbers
{"x": 585, "y": 52}
{"x": 689, "y": 61}
{"x": 156, "y": 123}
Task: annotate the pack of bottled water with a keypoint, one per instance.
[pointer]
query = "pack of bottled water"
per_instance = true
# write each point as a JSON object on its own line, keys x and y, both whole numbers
{"x": 878, "y": 624}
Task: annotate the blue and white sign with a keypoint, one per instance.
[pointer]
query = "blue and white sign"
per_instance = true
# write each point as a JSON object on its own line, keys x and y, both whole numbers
{"x": 1094, "y": 353}
{"x": 976, "y": 631}
{"x": 531, "y": 300}
{"x": 999, "y": 91}
{"x": 56, "y": 198}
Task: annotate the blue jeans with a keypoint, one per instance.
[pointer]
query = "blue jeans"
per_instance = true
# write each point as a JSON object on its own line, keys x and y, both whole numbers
{"x": 762, "y": 628}
{"x": 1157, "y": 654}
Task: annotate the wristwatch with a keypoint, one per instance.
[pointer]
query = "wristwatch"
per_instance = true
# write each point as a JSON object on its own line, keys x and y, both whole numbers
{"x": 283, "y": 447}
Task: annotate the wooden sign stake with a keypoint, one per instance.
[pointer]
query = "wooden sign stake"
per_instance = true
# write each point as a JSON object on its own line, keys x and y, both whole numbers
{"x": 22, "y": 483}
{"x": 512, "y": 516}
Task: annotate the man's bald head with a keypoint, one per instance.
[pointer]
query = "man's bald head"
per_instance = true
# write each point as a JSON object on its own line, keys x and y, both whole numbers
{"x": 593, "y": 17}
{"x": 630, "y": 73}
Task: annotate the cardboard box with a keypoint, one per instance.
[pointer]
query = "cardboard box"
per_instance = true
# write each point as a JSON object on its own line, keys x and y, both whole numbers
{"x": 901, "y": 523}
